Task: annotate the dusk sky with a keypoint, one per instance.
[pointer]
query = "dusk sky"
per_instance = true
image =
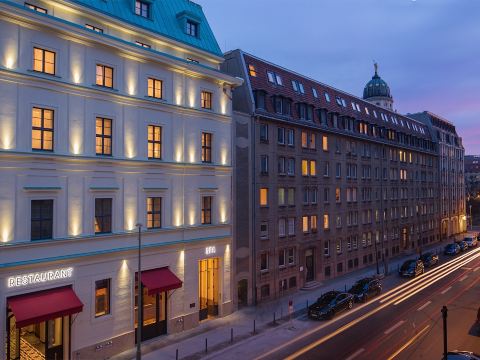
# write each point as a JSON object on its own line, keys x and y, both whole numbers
{"x": 428, "y": 50}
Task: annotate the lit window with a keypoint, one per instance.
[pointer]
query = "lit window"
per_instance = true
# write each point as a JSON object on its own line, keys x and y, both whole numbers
{"x": 103, "y": 135}
{"x": 325, "y": 143}
{"x": 281, "y": 196}
{"x": 304, "y": 167}
{"x": 154, "y": 142}
{"x": 44, "y": 61}
{"x": 147, "y": 46}
{"x": 313, "y": 223}
{"x": 304, "y": 139}
{"x": 42, "y": 129}
{"x": 94, "y": 28}
{"x": 206, "y": 210}
{"x": 305, "y": 224}
{"x": 206, "y": 147}
{"x": 313, "y": 168}
{"x": 192, "y": 28}
{"x": 326, "y": 222}
{"x": 337, "y": 195}
{"x": 206, "y": 100}
{"x": 154, "y": 212}
{"x": 155, "y": 88}
{"x": 104, "y": 76}
{"x": 142, "y": 8}
{"x": 102, "y": 297}
{"x": 36, "y": 8}
{"x": 263, "y": 197}
{"x": 252, "y": 71}
{"x": 312, "y": 141}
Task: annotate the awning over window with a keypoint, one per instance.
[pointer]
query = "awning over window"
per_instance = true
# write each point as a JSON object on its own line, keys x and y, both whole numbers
{"x": 159, "y": 280}
{"x": 44, "y": 305}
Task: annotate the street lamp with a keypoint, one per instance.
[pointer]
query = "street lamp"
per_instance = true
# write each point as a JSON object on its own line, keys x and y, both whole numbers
{"x": 471, "y": 219}
{"x": 140, "y": 294}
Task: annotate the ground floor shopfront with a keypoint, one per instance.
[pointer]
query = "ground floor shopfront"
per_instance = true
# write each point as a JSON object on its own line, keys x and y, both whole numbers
{"x": 88, "y": 308}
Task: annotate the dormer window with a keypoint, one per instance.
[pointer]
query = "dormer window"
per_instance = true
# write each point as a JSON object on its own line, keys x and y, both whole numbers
{"x": 36, "y": 8}
{"x": 142, "y": 8}
{"x": 192, "y": 28}
{"x": 274, "y": 78}
{"x": 94, "y": 28}
{"x": 252, "y": 71}
{"x": 139, "y": 43}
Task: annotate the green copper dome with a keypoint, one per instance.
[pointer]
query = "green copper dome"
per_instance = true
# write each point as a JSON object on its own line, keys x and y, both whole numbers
{"x": 376, "y": 87}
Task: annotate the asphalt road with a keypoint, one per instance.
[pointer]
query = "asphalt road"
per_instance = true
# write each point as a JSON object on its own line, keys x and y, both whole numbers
{"x": 402, "y": 323}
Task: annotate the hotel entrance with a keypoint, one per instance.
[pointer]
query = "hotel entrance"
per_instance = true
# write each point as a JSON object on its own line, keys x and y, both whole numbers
{"x": 208, "y": 288}
{"x": 38, "y": 324}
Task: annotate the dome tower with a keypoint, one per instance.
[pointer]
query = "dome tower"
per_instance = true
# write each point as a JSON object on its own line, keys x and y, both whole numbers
{"x": 377, "y": 91}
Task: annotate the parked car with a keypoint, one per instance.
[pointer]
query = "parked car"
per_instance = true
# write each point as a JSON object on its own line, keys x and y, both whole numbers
{"x": 471, "y": 241}
{"x": 329, "y": 304}
{"x": 429, "y": 259}
{"x": 365, "y": 289}
{"x": 411, "y": 268}
{"x": 463, "y": 245}
{"x": 452, "y": 249}
{"x": 462, "y": 355}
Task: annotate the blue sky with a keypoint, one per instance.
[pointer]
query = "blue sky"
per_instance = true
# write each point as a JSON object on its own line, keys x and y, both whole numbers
{"x": 428, "y": 50}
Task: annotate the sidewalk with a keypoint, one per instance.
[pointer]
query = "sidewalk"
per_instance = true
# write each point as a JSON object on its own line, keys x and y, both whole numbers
{"x": 191, "y": 343}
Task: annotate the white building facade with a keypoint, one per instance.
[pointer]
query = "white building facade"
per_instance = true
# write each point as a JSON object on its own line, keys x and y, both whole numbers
{"x": 108, "y": 119}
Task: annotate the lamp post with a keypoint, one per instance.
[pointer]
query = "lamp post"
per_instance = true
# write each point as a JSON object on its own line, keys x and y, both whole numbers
{"x": 471, "y": 219}
{"x": 140, "y": 294}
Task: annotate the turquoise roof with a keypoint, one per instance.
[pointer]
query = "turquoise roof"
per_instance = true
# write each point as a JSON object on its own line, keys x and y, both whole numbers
{"x": 167, "y": 18}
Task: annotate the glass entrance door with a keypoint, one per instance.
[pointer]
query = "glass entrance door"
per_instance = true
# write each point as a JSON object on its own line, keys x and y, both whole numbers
{"x": 40, "y": 341}
{"x": 208, "y": 288}
{"x": 154, "y": 314}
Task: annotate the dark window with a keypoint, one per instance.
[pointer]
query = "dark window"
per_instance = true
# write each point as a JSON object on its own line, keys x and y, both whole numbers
{"x": 103, "y": 136}
{"x": 192, "y": 28}
{"x": 154, "y": 142}
{"x": 36, "y": 8}
{"x": 94, "y": 28}
{"x": 41, "y": 219}
{"x": 206, "y": 209}
{"x": 327, "y": 271}
{"x": 264, "y": 132}
{"x": 281, "y": 135}
{"x": 292, "y": 282}
{"x": 350, "y": 264}
{"x": 265, "y": 291}
{"x": 206, "y": 147}
{"x": 104, "y": 76}
{"x": 206, "y": 98}
{"x": 142, "y": 8}
{"x": 103, "y": 216}
{"x": 339, "y": 267}
{"x": 44, "y": 61}
{"x": 42, "y": 129}
{"x": 155, "y": 88}
{"x": 355, "y": 262}
{"x": 102, "y": 297}
{"x": 260, "y": 99}
{"x": 154, "y": 212}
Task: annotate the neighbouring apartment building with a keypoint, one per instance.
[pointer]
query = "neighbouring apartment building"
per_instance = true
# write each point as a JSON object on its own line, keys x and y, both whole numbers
{"x": 451, "y": 173}
{"x": 326, "y": 183}
{"x": 112, "y": 113}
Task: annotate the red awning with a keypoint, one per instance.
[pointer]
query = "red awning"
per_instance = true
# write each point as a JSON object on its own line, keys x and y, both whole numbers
{"x": 44, "y": 305}
{"x": 158, "y": 280}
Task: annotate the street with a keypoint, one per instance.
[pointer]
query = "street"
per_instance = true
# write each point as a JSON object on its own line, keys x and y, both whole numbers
{"x": 402, "y": 323}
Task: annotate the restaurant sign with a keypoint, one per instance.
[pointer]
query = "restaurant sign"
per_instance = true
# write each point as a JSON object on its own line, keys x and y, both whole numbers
{"x": 39, "y": 277}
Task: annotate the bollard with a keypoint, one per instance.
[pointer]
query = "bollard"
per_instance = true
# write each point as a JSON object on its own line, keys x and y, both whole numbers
{"x": 206, "y": 345}
{"x": 176, "y": 354}
{"x": 253, "y": 326}
{"x": 231, "y": 335}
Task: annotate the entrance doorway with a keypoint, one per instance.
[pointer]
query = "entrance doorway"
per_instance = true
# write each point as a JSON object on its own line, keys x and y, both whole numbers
{"x": 309, "y": 265}
{"x": 242, "y": 290}
{"x": 40, "y": 341}
{"x": 208, "y": 288}
{"x": 154, "y": 314}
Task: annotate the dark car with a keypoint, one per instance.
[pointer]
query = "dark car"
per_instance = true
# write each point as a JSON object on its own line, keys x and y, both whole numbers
{"x": 462, "y": 355}
{"x": 471, "y": 240}
{"x": 463, "y": 245}
{"x": 411, "y": 268}
{"x": 365, "y": 289}
{"x": 452, "y": 249}
{"x": 429, "y": 259}
{"x": 329, "y": 304}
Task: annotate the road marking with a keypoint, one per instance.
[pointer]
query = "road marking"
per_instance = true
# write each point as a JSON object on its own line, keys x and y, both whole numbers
{"x": 424, "y": 306}
{"x": 394, "y": 327}
{"x": 466, "y": 268}
{"x": 409, "y": 342}
{"x": 445, "y": 291}
{"x": 355, "y": 354}
{"x": 477, "y": 268}
{"x": 463, "y": 278}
